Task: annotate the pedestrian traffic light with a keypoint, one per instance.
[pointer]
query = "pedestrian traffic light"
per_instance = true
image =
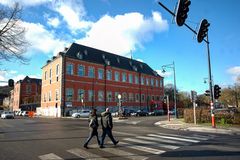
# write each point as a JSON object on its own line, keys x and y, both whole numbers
{"x": 10, "y": 82}
{"x": 182, "y": 10}
{"x": 203, "y": 30}
{"x": 207, "y": 93}
{"x": 217, "y": 91}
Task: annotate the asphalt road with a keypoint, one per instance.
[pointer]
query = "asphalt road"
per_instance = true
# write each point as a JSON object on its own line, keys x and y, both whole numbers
{"x": 47, "y": 138}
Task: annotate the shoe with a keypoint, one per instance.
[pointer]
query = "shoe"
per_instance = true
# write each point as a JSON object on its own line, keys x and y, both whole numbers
{"x": 85, "y": 146}
{"x": 101, "y": 146}
{"x": 116, "y": 143}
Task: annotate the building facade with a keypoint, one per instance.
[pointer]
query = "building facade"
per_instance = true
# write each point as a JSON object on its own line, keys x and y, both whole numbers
{"x": 27, "y": 94}
{"x": 84, "y": 77}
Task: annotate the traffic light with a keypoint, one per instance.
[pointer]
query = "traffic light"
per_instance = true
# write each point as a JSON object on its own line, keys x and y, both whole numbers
{"x": 202, "y": 31}
{"x": 182, "y": 10}
{"x": 217, "y": 91}
{"x": 207, "y": 93}
{"x": 10, "y": 82}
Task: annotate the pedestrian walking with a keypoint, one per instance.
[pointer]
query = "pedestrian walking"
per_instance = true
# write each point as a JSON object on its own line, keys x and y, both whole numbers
{"x": 107, "y": 125}
{"x": 93, "y": 127}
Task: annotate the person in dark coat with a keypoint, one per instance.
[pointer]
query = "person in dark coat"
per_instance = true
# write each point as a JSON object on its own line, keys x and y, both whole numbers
{"x": 93, "y": 127}
{"x": 107, "y": 125}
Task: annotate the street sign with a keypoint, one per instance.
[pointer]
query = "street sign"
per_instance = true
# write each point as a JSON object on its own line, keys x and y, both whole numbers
{"x": 193, "y": 96}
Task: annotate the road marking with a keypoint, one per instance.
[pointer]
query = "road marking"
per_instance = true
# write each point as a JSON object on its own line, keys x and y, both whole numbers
{"x": 132, "y": 122}
{"x": 119, "y": 120}
{"x": 121, "y": 153}
{"x": 84, "y": 154}
{"x": 137, "y": 140}
{"x": 142, "y": 148}
{"x": 197, "y": 138}
{"x": 169, "y": 141}
{"x": 157, "y": 144}
{"x": 50, "y": 156}
{"x": 123, "y": 133}
{"x": 174, "y": 138}
{"x": 209, "y": 136}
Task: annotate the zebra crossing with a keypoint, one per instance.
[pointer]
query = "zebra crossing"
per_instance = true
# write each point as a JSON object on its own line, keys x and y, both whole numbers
{"x": 138, "y": 147}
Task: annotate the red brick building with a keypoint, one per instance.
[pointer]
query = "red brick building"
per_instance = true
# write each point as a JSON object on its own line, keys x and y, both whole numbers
{"x": 27, "y": 94}
{"x": 84, "y": 77}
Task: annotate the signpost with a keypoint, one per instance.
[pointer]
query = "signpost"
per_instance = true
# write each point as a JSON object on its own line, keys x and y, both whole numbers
{"x": 194, "y": 98}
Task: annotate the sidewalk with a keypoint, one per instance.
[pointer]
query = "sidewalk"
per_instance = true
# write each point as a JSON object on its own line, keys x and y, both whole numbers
{"x": 179, "y": 124}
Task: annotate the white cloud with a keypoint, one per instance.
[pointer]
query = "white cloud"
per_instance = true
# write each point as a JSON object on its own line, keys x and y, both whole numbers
{"x": 140, "y": 60}
{"x": 53, "y": 22}
{"x": 73, "y": 13}
{"x": 5, "y": 75}
{"x": 42, "y": 40}
{"x": 235, "y": 72}
{"x": 23, "y": 2}
{"x": 123, "y": 33}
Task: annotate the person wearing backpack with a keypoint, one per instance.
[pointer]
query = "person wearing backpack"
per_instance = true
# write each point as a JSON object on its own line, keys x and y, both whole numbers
{"x": 93, "y": 128}
{"x": 107, "y": 125}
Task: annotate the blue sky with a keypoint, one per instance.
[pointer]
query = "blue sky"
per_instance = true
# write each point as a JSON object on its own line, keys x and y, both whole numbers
{"x": 140, "y": 27}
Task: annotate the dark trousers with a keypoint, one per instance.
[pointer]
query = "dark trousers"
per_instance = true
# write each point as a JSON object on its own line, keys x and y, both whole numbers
{"x": 107, "y": 131}
{"x": 93, "y": 132}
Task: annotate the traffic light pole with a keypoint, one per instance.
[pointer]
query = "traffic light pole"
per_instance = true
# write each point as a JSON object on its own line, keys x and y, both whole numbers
{"x": 210, "y": 84}
{"x": 209, "y": 64}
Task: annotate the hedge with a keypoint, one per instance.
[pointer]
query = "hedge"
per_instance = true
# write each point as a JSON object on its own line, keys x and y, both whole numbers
{"x": 203, "y": 115}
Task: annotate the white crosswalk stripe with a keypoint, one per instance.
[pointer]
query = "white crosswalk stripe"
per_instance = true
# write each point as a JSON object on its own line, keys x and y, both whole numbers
{"x": 85, "y": 154}
{"x": 157, "y": 144}
{"x": 122, "y": 153}
{"x": 142, "y": 148}
{"x": 175, "y": 138}
{"x": 128, "y": 148}
{"x": 193, "y": 137}
{"x": 50, "y": 156}
{"x": 157, "y": 139}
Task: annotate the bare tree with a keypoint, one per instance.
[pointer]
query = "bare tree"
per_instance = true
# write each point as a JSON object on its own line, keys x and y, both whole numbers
{"x": 12, "y": 40}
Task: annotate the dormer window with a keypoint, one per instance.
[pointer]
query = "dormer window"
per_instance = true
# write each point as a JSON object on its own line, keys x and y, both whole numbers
{"x": 135, "y": 68}
{"x": 103, "y": 56}
{"x": 79, "y": 55}
{"x": 118, "y": 59}
{"x": 85, "y": 52}
{"x": 107, "y": 62}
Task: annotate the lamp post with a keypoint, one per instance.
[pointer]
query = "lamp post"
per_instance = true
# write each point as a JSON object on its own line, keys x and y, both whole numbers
{"x": 119, "y": 105}
{"x": 172, "y": 65}
{"x": 107, "y": 63}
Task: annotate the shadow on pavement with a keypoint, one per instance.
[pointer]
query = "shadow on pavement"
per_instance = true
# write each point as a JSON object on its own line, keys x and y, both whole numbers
{"x": 200, "y": 153}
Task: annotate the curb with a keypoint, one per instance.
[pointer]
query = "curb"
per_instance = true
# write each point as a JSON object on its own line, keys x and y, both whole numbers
{"x": 197, "y": 128}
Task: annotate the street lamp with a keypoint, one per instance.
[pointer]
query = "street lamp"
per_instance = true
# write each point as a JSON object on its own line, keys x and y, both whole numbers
{"x": 119, "y": 104}
{"x": 172, "y": 65}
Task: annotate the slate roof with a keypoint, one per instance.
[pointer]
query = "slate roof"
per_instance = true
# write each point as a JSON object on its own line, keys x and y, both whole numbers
{"x": 93, "y": 55}
{"x": 32, "y": 80}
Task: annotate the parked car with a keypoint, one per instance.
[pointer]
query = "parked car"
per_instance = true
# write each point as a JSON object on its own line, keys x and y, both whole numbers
{"x": 17, "y": 113}
{"x": 172, "y": 112}
{"x": 141, "y": 113}
{"x": 7, "y": 114}
{"x": 128, "y": 112}
{"x": 1, "y": 111}
{"x": 25, "y": 113}
{"x": 82, "y": 113}
{"x": 115, "y": 114}
{"x": 156, "y": 113}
